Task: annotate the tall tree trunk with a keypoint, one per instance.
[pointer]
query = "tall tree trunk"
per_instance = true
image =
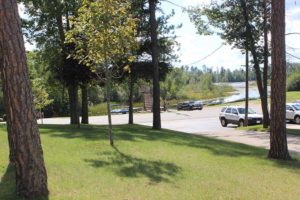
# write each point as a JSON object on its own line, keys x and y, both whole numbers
{"x": 10, "y": 133}
{"x": 108, "y": 93}
{"x": 259, "y": 81}
{"x": 130, "y": 101}
{"x": 155, "y": 56}
{"x": 247, "y": 88}
{"x": 31, "y": 176}
{"x": 85, "y": 105}
{"x": 266, "y": 118}
{"x": 73, "y": 99}
{"x": 278, "y": 140}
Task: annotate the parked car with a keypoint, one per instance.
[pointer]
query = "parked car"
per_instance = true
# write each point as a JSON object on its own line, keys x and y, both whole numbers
{"x": 120, "y": 111}
{"x": 190, "y": 105}
{"x": 196, "y": 105}
{"x": 293, "y": 112}
{"x": 236, "y": 115}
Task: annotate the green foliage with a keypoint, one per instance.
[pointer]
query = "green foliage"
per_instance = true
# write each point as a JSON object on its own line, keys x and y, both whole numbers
{"x": 48, "y": 85}
{"x": 149, "y": 164}
{"x": 101, "y": 108}
{"x": 103, "y": 32}
{"x": 40, "y": 95}
{"x": 194, "y": 83}
{"x": 293, "y": 82}
{"x": 293, "y": 76}
{"x": 227, "y": 19}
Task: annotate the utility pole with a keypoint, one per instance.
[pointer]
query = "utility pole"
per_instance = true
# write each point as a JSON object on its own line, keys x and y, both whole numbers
{"x": 247, "y": 88}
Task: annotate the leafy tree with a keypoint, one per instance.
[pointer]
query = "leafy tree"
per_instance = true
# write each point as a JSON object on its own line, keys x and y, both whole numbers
{"x": 166, "y": 43}
{"x": 40, "y": 95}
{"x": 169, "y": 88}
{"x": 293, "y": 82}
{"x": 241, "y": 24}
{"x": 278, "y": 140}
{"x": 47, "y": 25}
{"x": 24, "y": 139}
{"x": 104, "y": 33}
{"x": 142, "y": 71}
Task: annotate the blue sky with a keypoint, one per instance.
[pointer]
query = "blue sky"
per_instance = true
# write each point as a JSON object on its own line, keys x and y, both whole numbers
{"x": 195, "y": 47}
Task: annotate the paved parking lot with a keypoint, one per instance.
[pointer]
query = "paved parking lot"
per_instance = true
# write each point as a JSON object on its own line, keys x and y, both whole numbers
{"x": 202, "y": 122}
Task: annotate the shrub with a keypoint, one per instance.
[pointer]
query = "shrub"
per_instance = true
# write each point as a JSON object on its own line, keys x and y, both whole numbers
{"x": 293, "y": 82}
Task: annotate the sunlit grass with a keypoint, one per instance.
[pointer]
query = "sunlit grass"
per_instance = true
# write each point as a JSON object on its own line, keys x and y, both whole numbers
{"x": 292, "y": 96}
{"x": 150, "y": 164}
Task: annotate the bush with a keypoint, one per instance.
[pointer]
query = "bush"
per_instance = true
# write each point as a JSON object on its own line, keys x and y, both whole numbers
{"x": 293, "y": 82}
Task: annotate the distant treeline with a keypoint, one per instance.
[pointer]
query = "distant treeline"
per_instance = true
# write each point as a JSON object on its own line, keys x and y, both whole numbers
{"x": 220, "y": 74}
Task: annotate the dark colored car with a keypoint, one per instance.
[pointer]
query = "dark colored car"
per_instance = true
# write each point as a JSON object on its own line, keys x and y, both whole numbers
{"x": 190, "y": 105}
{"x": 120, "y": 111}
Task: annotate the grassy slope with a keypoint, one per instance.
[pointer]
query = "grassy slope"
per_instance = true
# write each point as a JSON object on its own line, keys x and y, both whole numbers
{"x": 292, "y": 96}
{"x": 149, "y": 164}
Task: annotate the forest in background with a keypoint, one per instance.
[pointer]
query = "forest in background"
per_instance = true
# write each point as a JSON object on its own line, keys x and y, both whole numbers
{"x": 181, "y": 83}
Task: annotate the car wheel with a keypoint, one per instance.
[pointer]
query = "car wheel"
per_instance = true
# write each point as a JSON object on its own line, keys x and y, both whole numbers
{"x": 241, "y": 123}
{"x": 297, "y": 120}
{"x": 224, "y": 122}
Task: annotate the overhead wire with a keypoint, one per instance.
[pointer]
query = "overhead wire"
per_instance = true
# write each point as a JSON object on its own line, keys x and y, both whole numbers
{"x": 207, "y": 56}
{"x": 292, "y": 55}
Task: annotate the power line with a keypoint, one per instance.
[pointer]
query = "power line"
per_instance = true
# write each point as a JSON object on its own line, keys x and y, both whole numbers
{"x": 175, "y": 4}
{"x": 212, "y": 53}
{"x": 292, "y": 55}
{"x": 182, "y": 7}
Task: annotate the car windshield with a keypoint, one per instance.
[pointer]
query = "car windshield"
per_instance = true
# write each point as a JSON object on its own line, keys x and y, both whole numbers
{"x": 296, "y": 106}
{"x": 242, "y": 111}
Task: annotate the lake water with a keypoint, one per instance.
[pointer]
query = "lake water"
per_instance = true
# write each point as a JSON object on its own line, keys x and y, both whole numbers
{"x": 239, "y": 94}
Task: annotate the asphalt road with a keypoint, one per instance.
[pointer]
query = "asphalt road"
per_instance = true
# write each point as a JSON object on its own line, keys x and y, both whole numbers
{"x": 202, "y": 122}
{"x": 196, "y": 121}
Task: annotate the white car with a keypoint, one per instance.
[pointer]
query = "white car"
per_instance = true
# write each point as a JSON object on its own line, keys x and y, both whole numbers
{"x": 236, "y": 115}
{"x": 293, "y": 112}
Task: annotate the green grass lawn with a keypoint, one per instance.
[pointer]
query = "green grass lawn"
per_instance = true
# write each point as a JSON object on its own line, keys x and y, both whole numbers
{"x": 292, "y": 96}
{"x": 260, "y": 128}
{"x": 148, "y": 164}
{"x": 101, "y": 109}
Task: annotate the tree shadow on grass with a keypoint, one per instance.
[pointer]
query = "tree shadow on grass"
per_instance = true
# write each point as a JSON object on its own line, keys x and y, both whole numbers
{"x": 8, "y": 186}
{"x": 129, "y": 166}
{"x": 139, "y": 133}
{"x": 86, "y": 132}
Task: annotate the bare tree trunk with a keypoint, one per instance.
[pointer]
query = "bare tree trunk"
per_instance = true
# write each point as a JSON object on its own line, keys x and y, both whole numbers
{"x": 85, "y": 104}
{"x": 10, "y": 133}
{"x": 278, "y": 140}
{"x": 253, "y": 49}
{"x": 247, "y": 88}
{"x": 108, "y": 93}
{"x": 155, "y": 56}
{"x": 31, "y": 176}
{"x": 73, "y": 100}
{"x": 131, "y": 84}
{"x": 266, "y": 119}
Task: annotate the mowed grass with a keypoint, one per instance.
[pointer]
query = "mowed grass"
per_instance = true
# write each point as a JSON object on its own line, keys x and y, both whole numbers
{"x": 149, "y": 164}
{"x": 260, "y": 128}
{"x": 292, "y": 96}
